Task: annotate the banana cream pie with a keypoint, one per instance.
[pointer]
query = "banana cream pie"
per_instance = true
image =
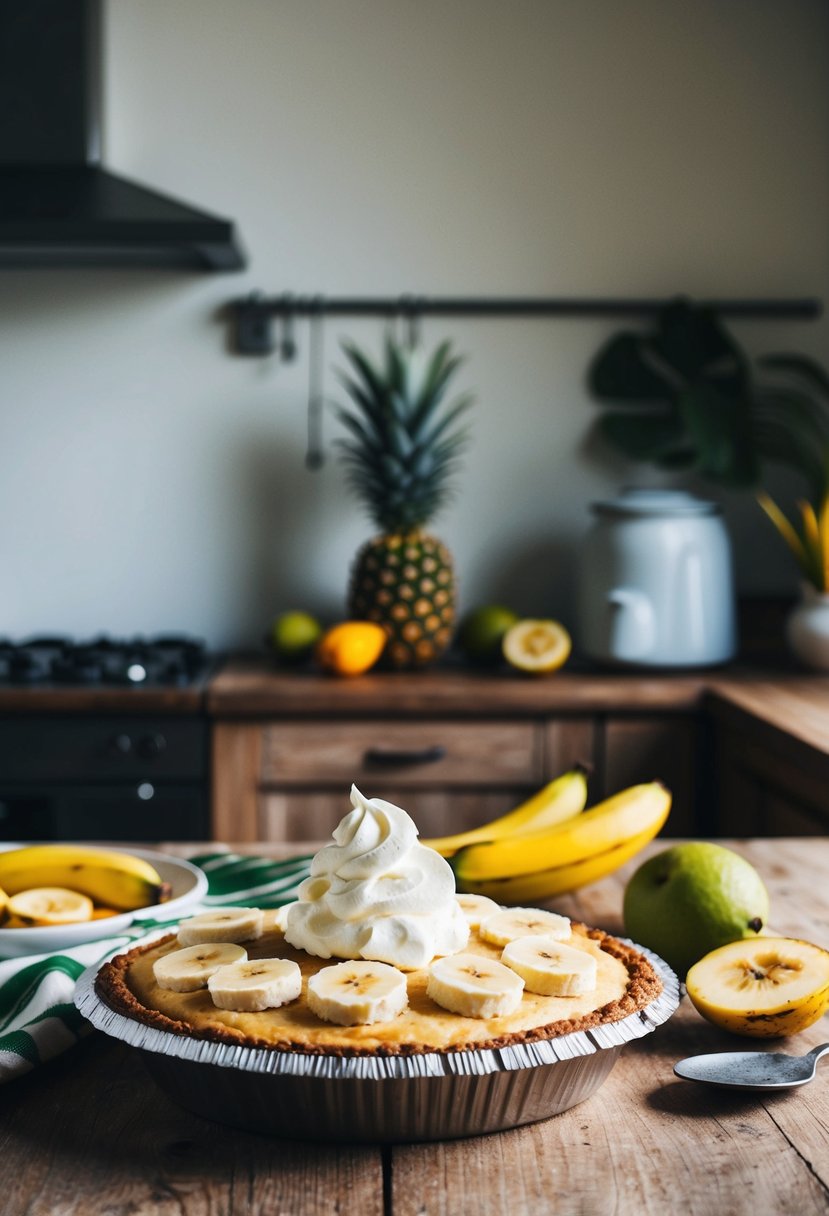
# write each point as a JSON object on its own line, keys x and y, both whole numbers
{"x": 379, "y": 956}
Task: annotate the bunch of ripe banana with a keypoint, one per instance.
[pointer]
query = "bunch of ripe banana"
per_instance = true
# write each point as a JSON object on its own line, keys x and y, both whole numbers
{"x": 551, "y": 845}
{"x": 62, "y": 884}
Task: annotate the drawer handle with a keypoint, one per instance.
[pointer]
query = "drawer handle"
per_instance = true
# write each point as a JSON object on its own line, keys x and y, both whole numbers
{"x": 392, "y": 757}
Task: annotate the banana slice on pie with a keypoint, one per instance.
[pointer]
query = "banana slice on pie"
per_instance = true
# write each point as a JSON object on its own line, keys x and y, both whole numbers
{"x": 189, "y": 969}
{"x": 357, "y": 992}
{"x": 222, "y": 925}
{"x": 510, "y": 923}
{"x": 549, "y": 967}
{"x": 477, "y": 908}
{"x": 255, "y": 984}
{"x": 474, "y": 986}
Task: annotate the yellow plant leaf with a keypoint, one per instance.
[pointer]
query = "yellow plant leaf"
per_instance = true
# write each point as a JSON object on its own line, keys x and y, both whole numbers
{"x": 786, "y": 530}
{"x": 823, "y": 526}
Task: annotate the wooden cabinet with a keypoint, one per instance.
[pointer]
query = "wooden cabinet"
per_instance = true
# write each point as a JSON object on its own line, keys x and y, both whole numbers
{"x": 454, "y": 751}
{"x": 768, "y": 785}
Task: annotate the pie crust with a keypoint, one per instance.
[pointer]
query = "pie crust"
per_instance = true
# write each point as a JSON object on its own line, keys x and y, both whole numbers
{"x": 626, "y": 982}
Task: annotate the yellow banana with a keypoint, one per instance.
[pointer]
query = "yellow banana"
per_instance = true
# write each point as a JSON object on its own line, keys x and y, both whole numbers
{"x": 116, "y": 880}
{"x": 606, "y": 826}
{"x": 547, "y": 884}
{"x": 554, "y": 803}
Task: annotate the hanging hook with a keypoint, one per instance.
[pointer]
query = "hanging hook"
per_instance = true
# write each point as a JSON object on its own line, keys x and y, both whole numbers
{"x": 287, "y": 343}
{"x": 314, "y": 456}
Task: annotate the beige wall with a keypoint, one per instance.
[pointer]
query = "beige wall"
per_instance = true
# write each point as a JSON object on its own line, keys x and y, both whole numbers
{"x": 151, "y": 480}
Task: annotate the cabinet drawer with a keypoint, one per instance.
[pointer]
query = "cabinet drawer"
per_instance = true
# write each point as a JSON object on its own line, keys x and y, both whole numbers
{"x": 407, "y": 754}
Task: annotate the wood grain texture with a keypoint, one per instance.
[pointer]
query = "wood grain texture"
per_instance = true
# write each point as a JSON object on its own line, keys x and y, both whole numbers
{"x": 235, "y": 764}
{"x": 254, "y": 688}
{"x": 296, "y": 815}
{"x": 338, "y": 752}
{"x": 91, "y": 1133}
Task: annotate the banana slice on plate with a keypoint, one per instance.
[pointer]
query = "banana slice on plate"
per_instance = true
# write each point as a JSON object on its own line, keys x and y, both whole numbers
{"x": 510, "y": 923}
{"x": 477, "y": 908}
{"x": 221, "y": 925}
{"x": 357, "y": 992}
{"x": 255, "y": 984}
{"x": 189, "y": 969}
{"x": 549, "y": 967}
{"x": 473, "y": 986}
{"x": 50, "y": 906}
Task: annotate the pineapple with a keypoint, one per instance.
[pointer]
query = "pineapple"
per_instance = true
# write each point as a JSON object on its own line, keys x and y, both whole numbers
{"x": 402, "y": 451}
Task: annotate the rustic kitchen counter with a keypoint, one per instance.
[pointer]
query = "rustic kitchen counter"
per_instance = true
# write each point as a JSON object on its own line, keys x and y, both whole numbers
{"x": 91, "y": 1133}
{"x": 744, "y": 748}
{"x": 787, "y": 700}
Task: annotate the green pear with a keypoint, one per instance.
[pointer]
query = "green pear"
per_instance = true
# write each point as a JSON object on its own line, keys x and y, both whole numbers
{"x": 691, "y": 899}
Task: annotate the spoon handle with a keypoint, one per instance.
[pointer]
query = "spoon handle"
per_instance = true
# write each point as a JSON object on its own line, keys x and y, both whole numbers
{"x": 817, "y": 1052}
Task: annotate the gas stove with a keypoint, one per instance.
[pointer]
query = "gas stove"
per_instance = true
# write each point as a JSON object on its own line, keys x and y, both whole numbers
{"x": 162, "y": 661}
{"x": 104, "y": 738}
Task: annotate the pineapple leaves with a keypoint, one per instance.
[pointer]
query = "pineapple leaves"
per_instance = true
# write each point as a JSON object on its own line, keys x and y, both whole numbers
{"x": 405, "y": 441}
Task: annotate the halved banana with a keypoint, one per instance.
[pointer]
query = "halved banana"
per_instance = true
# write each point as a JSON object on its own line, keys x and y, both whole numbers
{"x": 50, "y": 906}
{"x": 762, "y": 986}
{"x": 511, "y": 923}
{"x": 221, "y": 925}
{"x": 189, "y": 969}
{"x": 549, "y": 967}
{"x": 357, "y": 992}
{"x": 256, "y": 984}
{"x": 477, "y": 908}
{"x": 473, "y": 986}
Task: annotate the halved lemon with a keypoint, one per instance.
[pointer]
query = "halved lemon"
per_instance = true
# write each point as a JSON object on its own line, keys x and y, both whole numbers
{"x": 50, "y": 906}
{"x": 537, "y": 645}
{"x": 762, "y": 987}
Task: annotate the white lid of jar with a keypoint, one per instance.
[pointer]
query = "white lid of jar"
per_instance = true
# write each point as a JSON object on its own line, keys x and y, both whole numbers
{"x": 635, "y": 501}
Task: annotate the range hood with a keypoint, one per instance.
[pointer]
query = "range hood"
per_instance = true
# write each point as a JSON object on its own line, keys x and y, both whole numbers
{"x": 58, "y": 205}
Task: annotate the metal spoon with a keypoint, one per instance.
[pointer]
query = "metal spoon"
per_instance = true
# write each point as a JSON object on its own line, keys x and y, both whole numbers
{"x": 760, "y": 1070}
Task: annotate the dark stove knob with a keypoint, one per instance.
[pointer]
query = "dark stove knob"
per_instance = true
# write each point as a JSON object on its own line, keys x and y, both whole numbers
{"x": 150, "y": 746}
{"x": 120, "y": 745}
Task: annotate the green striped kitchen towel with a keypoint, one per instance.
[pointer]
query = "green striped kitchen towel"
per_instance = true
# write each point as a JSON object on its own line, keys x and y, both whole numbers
{"x": 37, "y": 1017}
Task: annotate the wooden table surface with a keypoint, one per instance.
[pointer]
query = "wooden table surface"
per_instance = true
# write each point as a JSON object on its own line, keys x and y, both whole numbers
{"x": 91, "y": 1133}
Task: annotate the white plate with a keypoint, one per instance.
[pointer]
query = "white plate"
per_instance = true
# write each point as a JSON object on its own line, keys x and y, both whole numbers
{"x": 188, "y": 884}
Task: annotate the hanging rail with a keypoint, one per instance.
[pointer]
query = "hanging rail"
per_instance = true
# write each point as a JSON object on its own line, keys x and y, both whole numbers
{"x": 252, "y": 316}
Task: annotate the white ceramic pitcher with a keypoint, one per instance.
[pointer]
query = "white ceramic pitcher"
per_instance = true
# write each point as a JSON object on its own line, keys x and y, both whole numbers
{"x": 655, "y": 584}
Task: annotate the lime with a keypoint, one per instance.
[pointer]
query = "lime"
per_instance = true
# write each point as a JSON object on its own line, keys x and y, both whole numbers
{"x": 537, "y": 646}
{"x": 293, "y": 635}
{"x": 482, "y": 630}
{"x": 691, "y": 899}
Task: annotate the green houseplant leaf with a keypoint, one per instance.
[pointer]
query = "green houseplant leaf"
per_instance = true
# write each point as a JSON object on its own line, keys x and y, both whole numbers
{"x": 679, "y": 396}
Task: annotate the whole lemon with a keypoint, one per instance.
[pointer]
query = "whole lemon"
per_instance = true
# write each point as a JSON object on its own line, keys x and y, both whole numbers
{"x": 482, "y": 630}
{"x": 691, "y": 899}
{"x": 352, "y": 647}
{"x": 293, "y": 635}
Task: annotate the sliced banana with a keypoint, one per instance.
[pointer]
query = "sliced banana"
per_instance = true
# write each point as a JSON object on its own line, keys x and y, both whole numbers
{"x": 473, "y": 986}
{"x": 549, "y": 967}
{"x": 510, "y": 923}
{"x": 221, "y": 925}
{"x": 189, "y": 969}
{"x": 477, "y": 908}
{"x": 358, "y": 992}
{"x": 50, "y": 906}
{"x": 256, "y": 984}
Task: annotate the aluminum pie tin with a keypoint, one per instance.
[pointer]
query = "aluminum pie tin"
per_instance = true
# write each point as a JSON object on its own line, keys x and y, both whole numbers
{"x": 381, "y": 1099}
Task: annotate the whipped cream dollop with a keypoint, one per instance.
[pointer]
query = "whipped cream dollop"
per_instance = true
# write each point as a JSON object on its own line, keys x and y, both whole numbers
{"x": 378, "y": 893}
